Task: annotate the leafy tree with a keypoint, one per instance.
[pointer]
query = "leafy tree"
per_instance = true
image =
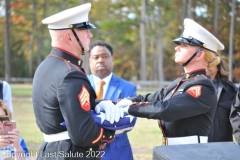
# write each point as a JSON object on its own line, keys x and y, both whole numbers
{"x": 118, "y": 23}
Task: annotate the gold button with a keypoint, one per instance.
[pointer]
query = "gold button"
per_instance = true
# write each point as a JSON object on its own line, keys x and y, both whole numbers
{"x": 68, "y": 61}
{"x": 110, "y": 137}
{"x": 90, "y": 149}
{"x": 103, "y": 136}
{"x": 79, "y": 62}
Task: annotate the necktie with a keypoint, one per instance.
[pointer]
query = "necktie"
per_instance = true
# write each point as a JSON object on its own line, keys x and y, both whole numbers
{"x": 99, "y": 90}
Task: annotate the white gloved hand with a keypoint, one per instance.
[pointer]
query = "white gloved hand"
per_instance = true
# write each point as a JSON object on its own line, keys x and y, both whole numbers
{"x": 124, "y": 110}
{"x": 112, "y": 112}
{"x": 124, "y": 103}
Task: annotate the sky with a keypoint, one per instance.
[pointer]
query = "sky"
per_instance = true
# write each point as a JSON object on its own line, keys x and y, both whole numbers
{"x": 2, "y": 9}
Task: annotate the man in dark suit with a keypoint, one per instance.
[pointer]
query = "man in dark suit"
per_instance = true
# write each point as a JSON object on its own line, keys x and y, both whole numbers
{"x": 114, "y": 88}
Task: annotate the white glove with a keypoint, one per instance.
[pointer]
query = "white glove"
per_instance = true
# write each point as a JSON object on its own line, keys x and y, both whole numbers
{"x": 112, "y": 112}
{"x": 124, "y": 103}
{"x": 124, "y": 110}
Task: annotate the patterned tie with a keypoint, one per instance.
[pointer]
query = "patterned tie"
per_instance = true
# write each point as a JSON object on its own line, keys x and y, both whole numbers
{"x": 99, "y": 90}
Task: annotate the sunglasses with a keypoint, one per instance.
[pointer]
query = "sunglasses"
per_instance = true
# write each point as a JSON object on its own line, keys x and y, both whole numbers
{"x": 4, "y": 118}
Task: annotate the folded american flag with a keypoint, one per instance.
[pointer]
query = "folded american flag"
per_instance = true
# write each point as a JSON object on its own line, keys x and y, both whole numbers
{"x": 124, "y": 124}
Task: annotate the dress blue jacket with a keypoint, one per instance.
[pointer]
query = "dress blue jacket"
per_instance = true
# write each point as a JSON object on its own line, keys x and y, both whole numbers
{"x": 119, "y": 148}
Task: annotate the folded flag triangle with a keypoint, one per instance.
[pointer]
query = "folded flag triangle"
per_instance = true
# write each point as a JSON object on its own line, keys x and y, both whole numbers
{"x": 124, "y": 124}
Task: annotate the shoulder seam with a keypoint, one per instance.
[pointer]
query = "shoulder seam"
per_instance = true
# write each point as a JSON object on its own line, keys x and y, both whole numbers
{"x": 66, "y": 62}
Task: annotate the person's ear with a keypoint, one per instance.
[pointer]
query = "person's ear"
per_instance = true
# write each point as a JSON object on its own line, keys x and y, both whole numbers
{"x": 200, "y": 55}
{"x": 112, "y": 58}
{"x": 67, "y": 38}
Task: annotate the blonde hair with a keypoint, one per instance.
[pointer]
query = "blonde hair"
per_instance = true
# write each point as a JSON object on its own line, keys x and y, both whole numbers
{"x": 211, "y": 58}
{"x": 223, "y": 71}
{"x": 5, "y": 109}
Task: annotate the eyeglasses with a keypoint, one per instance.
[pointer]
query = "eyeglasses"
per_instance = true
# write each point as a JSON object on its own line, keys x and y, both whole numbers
{"x": 4, "y": 118}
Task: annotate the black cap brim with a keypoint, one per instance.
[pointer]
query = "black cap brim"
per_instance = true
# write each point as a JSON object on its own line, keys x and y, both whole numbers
{"x": 89, "y": 26}
{"x": 83, "y": 26}
{"x": 186, "y": 41}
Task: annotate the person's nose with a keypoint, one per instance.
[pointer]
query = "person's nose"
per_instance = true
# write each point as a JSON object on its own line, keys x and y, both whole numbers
{"x": 100, "y": 59}
{"x": 177, "y": 48}
{"x": 90, "y": 35}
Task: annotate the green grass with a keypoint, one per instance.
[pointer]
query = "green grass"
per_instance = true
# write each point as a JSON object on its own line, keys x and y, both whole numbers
{"x": 26, "y": 123}
{"x": 143, "y": 137}
{"x": 21, "y": 90}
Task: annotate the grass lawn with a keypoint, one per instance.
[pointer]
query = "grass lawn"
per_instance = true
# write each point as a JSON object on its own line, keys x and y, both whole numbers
{"x": 143, "y": 137}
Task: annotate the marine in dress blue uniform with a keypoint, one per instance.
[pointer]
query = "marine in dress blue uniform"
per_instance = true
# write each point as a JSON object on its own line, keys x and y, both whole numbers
{"x": 187, "y": 106}
{"x": 62, "y": 92}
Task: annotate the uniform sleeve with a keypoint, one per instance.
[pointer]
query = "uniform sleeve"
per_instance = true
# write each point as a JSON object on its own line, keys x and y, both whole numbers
{"x": 235, "y": 118}
{"x": 148, "y": 97}
{"x": 7, "y": 96}
{"x": 188, "y": 104}
{"x": 75, "y": 100}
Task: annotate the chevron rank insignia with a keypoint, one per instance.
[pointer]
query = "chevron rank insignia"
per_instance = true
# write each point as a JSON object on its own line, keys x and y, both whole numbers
{"x": 195, "y": 91}
{"x": 84, "y": 99}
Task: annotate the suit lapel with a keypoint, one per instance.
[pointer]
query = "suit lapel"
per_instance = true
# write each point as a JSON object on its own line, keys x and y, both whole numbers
{"x": 113, "y": 85}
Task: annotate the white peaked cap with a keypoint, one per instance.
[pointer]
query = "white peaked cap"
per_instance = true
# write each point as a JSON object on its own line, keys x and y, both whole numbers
{"x": 193, "y": 31}
{"x": 75, "y": 15}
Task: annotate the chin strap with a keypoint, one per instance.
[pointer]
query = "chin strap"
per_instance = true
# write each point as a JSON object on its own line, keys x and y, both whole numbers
{"x": 199, "y": 50}
{"x": 79, "y": 42}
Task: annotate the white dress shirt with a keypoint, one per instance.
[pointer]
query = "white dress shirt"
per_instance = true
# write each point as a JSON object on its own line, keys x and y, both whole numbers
{"x": 107, "y": 79}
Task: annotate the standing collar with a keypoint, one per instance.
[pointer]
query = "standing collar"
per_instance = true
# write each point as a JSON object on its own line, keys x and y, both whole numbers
{"x": 193, "y": 73}
{"x": 67, "y": 56}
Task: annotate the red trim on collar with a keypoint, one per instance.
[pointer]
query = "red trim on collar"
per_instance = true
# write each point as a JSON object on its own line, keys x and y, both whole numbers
{"x": 66, "y": 61}
{"x": 67, "y": 52}
{"x": 202, "y": 69}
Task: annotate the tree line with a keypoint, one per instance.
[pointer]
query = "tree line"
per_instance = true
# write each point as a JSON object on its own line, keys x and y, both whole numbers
{"x": 140, "y": 31}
